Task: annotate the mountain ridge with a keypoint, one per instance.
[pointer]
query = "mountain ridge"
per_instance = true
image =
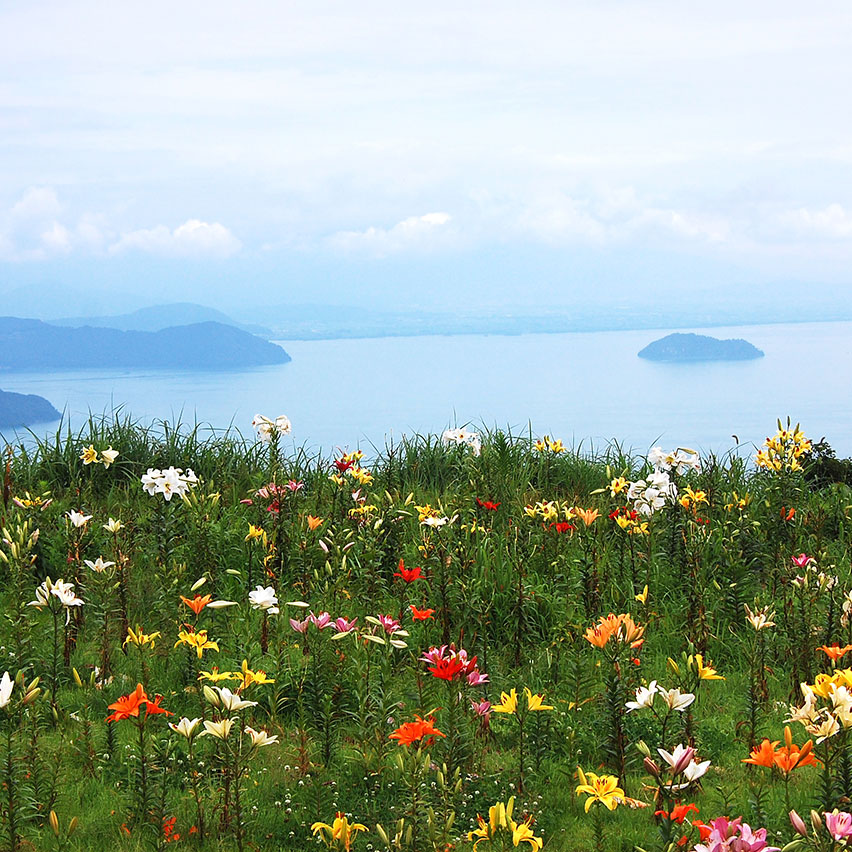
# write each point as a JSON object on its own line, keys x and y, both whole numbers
{"x": 27, "y": 344}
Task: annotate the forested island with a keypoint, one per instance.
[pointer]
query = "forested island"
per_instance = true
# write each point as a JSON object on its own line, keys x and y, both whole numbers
{"x": 19, "y": 409}
{"x": 699, "y": 347}
{"x": 28, "y": 344}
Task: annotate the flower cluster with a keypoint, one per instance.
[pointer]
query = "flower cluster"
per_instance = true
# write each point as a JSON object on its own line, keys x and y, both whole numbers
{"x": 500, "y": 821}
{"x": 90, "y": 455}
{"x": 267, "y": 429}
{"x": 734, "y": 836}
{"x": 618, "y": 628}
{"x": 680, "y": 460}
{"x": 546, "y": 445}
{"x": 464, "y": 438}
{"x": 447, "y": 663}
{"x": 784, "y": 451}
{"x": 170, "y": 482}
{"x": 652, "y": 493}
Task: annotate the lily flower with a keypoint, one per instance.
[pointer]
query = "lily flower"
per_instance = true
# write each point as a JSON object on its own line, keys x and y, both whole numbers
{"x": 220, "y": 730}
{"x": 259, "y": 739}
{"x": 599, "y": 788}
{"x": 679, "y": 759}
{"x": 228, "y": 700}
{"x": 140, "y": 638}
{"x": 197, "y": 640}
{"x": 108, "y": 457}
{"x": 264, "y": 599}
{"x": 534, "y": 702}
{"x": 419, "y": 731}
{"x": 98, "y": 566}
{"x": 675, "y": 699}
{"x": 508, "y": 702}
{"x": 6, "y": 687}
{"x": 78, "y": 519}
{"x": 341, "y": 831}
{"x": 186, "y": 727}
{"x": 644, "y": 697}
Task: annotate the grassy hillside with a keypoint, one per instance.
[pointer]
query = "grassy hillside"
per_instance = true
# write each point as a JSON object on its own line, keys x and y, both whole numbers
{"x": 353, "y": 634}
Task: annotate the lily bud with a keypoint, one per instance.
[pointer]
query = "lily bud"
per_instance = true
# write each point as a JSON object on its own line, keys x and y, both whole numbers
{"x": 72, "y": 826}
{"x": 54, "y": 823}
{"x": 212, "y": 696}
{"x": 816, "y": 821}
{"x": 643, "y": 748}
{"x": 798, "y": 824}
{"x": 651, "y": 768}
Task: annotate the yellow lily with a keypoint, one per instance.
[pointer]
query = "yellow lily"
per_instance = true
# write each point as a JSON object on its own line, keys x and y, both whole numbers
{"x": 522, "y": 833}
{"x": 139, "y": 638}
{"x": 642, "y": 597}
{"x": 256, "y": 533}
{"x": 599, "y": 788}
{"x": 705, "y": 672}
{"x": 196, "y": 640}
{"x": 249, "y": 677}
{"x": 89, "y": 455}
{"x": 508, "y": 703}
{"x": 215, "y": 675}
{"x": 534, "y": 702}
{"x": 340, "y": 832}
{"x": 617, "y": 485}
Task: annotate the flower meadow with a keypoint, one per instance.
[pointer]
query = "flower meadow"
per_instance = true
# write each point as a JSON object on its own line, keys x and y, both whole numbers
{"x": 469, "y": 641}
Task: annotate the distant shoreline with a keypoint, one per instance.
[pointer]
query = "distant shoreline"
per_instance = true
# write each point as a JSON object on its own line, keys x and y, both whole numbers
{"x": 320, "y": 336}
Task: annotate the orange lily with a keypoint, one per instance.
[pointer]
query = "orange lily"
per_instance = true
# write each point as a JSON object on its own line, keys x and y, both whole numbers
{"x": 197, "y": 603}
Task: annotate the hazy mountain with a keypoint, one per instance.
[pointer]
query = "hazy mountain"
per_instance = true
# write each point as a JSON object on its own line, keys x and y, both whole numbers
{"x": 158, "y": 317}
{"x": 699, "y": 347}
{"x": 27, "y": 344}
{"x": 19, "y": 409}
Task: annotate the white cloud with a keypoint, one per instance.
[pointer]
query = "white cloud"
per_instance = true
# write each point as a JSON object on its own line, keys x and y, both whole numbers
{"x": 558, "y": 218}
{"x": 38, "y": 203}
{"x": 415, "y": 232}
{"x": 31, "y": 229}
{"x": 714, "y": 229}
{"x": 192, "y": 238}
{"x": 56, "y": 238}
{"x": 833, "y": 222}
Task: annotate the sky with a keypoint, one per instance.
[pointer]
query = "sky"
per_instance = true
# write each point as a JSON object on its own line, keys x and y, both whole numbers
{"x": 448, "y": 155}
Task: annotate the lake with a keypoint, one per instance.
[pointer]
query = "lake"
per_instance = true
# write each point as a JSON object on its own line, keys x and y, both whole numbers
{"x": 581, "y": 387}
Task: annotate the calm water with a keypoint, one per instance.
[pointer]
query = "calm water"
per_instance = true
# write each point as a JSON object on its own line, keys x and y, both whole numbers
{"x": 579, "y": 387}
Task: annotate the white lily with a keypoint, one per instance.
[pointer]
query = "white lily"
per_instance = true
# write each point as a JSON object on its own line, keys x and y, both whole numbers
{"x": 676, "y": 700}
{"x": 231, "y": 701}
{"x": 78, "y": 519}
{"x": 644, "y": 697}
{"x": 6, "y": 687}
{"x": 220, "y": 730}
{"x": 265, "y": 599}
{"x": 99, "y": 565}
{"x": 260, "y": 738}
{"x": 186, "y": 727}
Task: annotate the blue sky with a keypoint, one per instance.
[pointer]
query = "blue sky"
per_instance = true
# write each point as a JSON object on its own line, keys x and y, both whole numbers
{"x": 437, "y": 155}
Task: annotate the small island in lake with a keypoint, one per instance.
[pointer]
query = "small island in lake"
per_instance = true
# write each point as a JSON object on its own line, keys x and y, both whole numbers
{"x": 699, "y": 347}
{"x": 21, "y": 409}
